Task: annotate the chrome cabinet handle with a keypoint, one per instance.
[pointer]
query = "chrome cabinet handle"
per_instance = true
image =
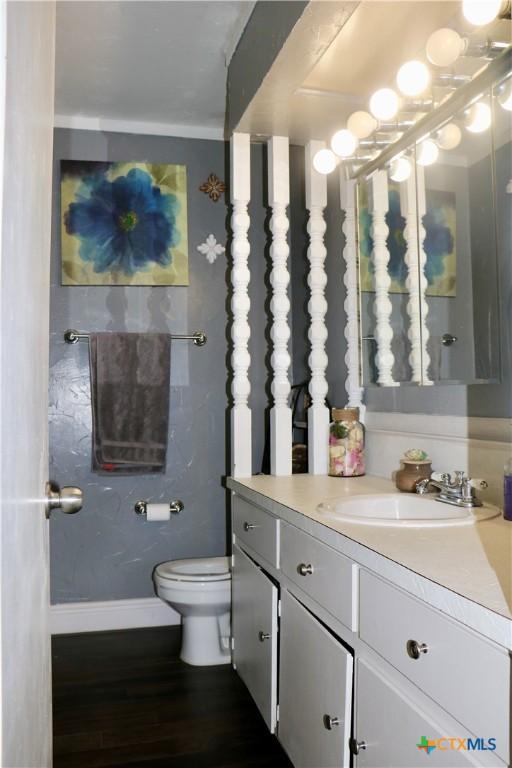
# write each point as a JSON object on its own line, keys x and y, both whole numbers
{"x": 305, "y": 569}
{"x": 415, "y": 649}
{"x": 262, "y": 636}
{"x": 249, "y": 526}
{"x": 356, "y": 746}
{"x": 331, "y": 722}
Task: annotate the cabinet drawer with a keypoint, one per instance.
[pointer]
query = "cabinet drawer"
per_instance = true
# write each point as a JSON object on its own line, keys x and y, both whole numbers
{"x": 321, "y": 572}
{"x": 257, "y": 529}
{"x": 465, "y": 674}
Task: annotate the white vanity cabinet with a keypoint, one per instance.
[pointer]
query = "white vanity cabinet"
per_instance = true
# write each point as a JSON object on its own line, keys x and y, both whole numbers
{"x": 254, "y": 633}
{"x": 389, "y": 726}
{"x": 364, "y": 666}
{"x": 315, "y": 690}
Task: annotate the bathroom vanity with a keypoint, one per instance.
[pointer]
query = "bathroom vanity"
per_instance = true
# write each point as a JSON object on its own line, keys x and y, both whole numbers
{"x": 360, "y": 643}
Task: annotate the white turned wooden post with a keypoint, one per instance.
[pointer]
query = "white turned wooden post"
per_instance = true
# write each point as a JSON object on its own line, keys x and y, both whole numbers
{"x": 318, "y": 413}
{"x": 348, "y": 189}
{"x": 280, "y": 414}
{"x": 423, "y": 282}
{"x": 382, "y": 306}
{"x": 241, "y": 438}
{"x": 412, "y": 259}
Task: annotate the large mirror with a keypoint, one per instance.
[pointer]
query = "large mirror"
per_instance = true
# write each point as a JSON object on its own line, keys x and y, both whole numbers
{"x": 428, "y": 250}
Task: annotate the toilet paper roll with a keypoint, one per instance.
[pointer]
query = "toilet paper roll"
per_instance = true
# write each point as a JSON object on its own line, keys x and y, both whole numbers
{"x": 157, "y": 512}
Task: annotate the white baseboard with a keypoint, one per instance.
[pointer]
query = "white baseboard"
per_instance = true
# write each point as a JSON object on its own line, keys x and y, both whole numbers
{"x": 67, "y": 618}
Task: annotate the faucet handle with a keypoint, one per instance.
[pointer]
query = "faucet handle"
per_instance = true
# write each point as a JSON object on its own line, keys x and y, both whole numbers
{"x": 440, "y": 477}
{"x": 477, "y": 483}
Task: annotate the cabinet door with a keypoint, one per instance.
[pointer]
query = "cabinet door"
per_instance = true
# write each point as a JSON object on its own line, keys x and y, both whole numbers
{"x": 315, "y": 691}
{"x": 254, "y": 617}
{"x": 392, "y": 726}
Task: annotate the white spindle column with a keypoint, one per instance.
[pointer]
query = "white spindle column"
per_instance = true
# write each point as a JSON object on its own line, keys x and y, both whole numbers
{"x": 318, "y": 413}
{"x": 348, "y": 190}
{"x": 423, "y": 282}
{"x": 382, "y": 306}
{"x": 280, "y": 414}
{"x": 412, "y": 259}
{"x": 241, "y": 438}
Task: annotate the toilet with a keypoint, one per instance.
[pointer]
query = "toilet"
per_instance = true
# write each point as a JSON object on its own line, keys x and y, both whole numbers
{"x": 200, "y": 590}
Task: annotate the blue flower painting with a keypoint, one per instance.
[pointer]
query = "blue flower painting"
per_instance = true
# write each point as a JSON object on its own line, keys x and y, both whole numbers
{"x": 439, "y": 244}
{"x": 124, "y": 224}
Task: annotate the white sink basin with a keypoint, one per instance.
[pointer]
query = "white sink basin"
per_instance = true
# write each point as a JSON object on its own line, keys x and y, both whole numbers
{"x": 403, "y": 510}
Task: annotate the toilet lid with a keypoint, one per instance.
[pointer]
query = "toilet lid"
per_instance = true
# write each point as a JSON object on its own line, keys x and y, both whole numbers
{"x": 196, "y": 569}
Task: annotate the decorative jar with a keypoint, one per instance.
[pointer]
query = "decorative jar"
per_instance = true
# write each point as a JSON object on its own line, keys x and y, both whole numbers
{"x": 346, "y": 443}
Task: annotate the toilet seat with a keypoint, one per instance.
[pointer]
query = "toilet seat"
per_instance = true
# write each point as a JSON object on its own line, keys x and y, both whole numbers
{"x": 195, "y": 570}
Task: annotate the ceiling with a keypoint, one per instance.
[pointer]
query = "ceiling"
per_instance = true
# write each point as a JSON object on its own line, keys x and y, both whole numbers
{"x": 160, "y": 64}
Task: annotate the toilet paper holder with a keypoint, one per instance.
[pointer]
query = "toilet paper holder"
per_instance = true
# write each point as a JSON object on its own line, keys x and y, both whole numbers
{"x": 141, "y": 507}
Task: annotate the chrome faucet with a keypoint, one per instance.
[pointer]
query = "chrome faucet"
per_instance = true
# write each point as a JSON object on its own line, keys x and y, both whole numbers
{"x": 459, "y": 490}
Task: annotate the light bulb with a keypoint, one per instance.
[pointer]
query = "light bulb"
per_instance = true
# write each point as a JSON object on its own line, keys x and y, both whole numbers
{"x": 478, "y": 117}
{"x": 400, "y": 169}
{"x": 449, "y": 136}
{"x": 362, "y": 124}
{"x": 479, "y": 12}
{"x": 344, "y": 143}
{"x": 444, "y": 47}
{"x": 427, "y": 152}
{"x": 324, "y": 161}
{"x": 505, "y": 95}
{"x": 384, "y": 104}
{"x": 413, "y": 78}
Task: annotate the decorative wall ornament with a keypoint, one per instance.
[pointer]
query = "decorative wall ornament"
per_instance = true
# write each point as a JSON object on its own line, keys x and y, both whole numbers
{"x": 123, "y": 223}
{"x": 213, "y": 187}
{"x": 211, "y": 248}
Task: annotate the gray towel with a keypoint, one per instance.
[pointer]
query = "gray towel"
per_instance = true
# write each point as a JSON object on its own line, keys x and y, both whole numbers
{"x": 130, "y": 375}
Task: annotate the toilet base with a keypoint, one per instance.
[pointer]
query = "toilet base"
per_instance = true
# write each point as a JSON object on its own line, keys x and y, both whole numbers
{"x": 205, "y": 640}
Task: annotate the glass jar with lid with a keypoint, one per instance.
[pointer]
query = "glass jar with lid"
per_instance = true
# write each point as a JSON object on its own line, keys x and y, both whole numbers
{"x": 346, "y": 443}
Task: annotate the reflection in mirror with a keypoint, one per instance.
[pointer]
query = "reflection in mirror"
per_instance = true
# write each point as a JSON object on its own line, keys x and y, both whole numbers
{"x": 457, "y": 238}
{"x": 383, "y": 274}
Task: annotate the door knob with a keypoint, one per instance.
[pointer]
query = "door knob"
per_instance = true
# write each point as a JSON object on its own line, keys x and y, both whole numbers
{"x": 68, "y": 499}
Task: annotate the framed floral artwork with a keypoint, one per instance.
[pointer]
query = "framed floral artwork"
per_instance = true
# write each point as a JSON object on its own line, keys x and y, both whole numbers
{"x": 123, "y": 223}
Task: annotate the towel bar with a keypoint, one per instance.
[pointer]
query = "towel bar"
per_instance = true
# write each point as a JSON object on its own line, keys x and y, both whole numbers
{"x": 198, "y": 337}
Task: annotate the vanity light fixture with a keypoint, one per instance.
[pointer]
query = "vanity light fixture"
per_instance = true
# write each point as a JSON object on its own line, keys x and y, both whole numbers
{"x": 325, "y": 161}
{"x": 427, "y": 152}
{"x": 480, "y": 12}
{"x": 444, "y": 46}
{"x": 400, "y": 169}
{"x": 478, "y": 117}
{"x": 505, "y": 95}
{"x": 384, "y": 104}
{"x": 413, "y": 78}
{"x": 344, "y": 143}
{"x": 449, "y": 136}
{"x": 362, "y": 124}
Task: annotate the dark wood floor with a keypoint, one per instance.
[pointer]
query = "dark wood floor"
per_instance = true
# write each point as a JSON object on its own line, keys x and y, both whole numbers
{"x": 124, "y": 699}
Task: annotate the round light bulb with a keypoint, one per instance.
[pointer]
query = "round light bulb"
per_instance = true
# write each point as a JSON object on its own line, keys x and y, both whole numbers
{"x": 344, "y": 143}
{"x": 444, "y": 47}
{"x": 449, "y": 136}
{"x": 479, "y": 12}
{"x": 478, "y": 117}
{"x": 413, "y": 78}
{"x": 427, "y": 152}
{"x": 384, "y": 104}
{"x": 400, "y": 169}
{"x": 505, "y": 95}
{"x": 362, "y": 124}
{"x": 324, "y": 161}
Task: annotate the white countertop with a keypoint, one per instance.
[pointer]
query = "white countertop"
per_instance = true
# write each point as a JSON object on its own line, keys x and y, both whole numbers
{"x": 465, "y": 571}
